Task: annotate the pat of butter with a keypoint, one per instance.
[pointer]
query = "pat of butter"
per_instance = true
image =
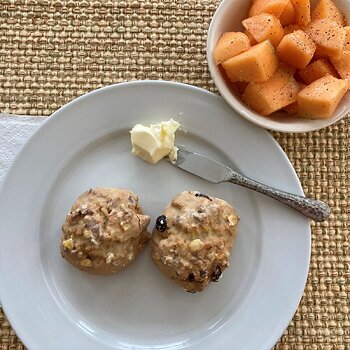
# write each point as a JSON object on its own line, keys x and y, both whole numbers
{"x": 152, "y": 143}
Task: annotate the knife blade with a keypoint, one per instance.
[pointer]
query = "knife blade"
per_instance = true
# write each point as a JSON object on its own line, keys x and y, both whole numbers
{"x": 216, "y": 172}
{"x": 201, "y": 165}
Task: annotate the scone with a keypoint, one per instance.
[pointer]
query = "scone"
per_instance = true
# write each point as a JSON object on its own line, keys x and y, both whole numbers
{"x": 104, "y": 231}
{"x": 193, "y": 239}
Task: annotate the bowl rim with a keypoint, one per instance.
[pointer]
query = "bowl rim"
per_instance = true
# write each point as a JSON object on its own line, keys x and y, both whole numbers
{"x": 238, "y": 106}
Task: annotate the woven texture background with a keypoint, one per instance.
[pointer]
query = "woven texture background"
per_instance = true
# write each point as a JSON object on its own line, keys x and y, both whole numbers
{"x": 54, "y": 51}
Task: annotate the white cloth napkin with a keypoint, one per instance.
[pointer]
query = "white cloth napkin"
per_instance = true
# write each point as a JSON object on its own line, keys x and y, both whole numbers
{"x": 14, "y": 132}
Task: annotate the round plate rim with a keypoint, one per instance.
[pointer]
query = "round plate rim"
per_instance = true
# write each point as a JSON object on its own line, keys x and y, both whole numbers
{"x": 25, "y": 338}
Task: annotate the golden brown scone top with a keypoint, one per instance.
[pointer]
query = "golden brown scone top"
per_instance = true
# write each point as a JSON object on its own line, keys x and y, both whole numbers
{"x": 195, "y": 247}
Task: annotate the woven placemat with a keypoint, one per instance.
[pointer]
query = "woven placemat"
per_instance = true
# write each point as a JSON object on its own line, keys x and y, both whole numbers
{"x": 54, "y": 51}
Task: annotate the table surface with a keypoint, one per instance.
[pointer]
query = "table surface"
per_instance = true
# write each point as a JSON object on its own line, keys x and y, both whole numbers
{"x": 54, "y": 51}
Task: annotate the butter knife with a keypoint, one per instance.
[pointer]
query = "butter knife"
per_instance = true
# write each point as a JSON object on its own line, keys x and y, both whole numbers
{"x": 216, "y": 172}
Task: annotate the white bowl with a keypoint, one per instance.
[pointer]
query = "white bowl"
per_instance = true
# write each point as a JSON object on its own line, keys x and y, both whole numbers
{"x": 228, "y": 17}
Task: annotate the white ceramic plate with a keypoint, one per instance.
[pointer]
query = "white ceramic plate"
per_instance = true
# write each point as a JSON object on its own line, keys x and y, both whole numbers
{"x": 85, "y": 144}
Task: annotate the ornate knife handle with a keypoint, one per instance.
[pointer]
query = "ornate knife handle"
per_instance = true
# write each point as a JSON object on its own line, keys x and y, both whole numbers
{"x": 312, "y": 208}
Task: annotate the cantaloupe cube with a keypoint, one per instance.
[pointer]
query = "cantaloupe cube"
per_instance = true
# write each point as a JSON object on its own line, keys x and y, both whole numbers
{"x": 259, "y": 63}
{"x": 328, "y": 9}
{"x": 328, "y": 35}
{"x": 250, "y": 37}
{"x": 264, "y": 27}
{"x": 320, "y": 53}
{"x": 317, "y": 70}
{"x": 347, "y": 39}
{"x": 274, "y": 7}
{"x": 293, "y": 107}
{"x": 291, "y": 70}
{"x": 234, "y": 90}
{"x": 320, "y": 99}
{"x": 302, "y": 11}
{"x": 324, "y": 52}
{"x": 241, "y": 86}
{"x": 296, "y": 49}
{"x": 229, "y": 45}
{"x": 291, "y": 28}
{"x": 342, "y": 65}
{"x": 288, "y": 15}
{"x": 272, "y": 95}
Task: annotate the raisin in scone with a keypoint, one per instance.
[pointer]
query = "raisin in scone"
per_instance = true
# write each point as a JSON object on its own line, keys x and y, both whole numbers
{"x": 104, "y": 231}
{"x": 193, "y": 239}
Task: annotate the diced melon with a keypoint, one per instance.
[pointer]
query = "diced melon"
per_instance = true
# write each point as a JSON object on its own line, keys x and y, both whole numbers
{"x": 250, "y": 37}
{"x": 292, "y": 28}
{"x": 229, "y": 45}
{"x": 241, "y": 86}
{"x": 328, "y": 9}
{"x": 234, "y": 90}
{"x": 263, "y": 27}
{"x": 320, "y": 99}
{"x": 288, "y": 15}
{"x": 320, "y": 53}
{"x": 342, "y": 65}
{"x": 328, "y": 35}
{"x": 291, "y": 70}
{"x": 259, "y": 63}
{"x": 302, "y": 11}
{"x": 301, "y": 85}
{"x": 274, "y": 7}
{"x": 317, "y": 70}
{"x": 347, "y": 39}
{"x": 272, "y": 95}
{"x": 324, "y": 53}
{"x": 296, "y": 49}
{"x": 293, "y": 107}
